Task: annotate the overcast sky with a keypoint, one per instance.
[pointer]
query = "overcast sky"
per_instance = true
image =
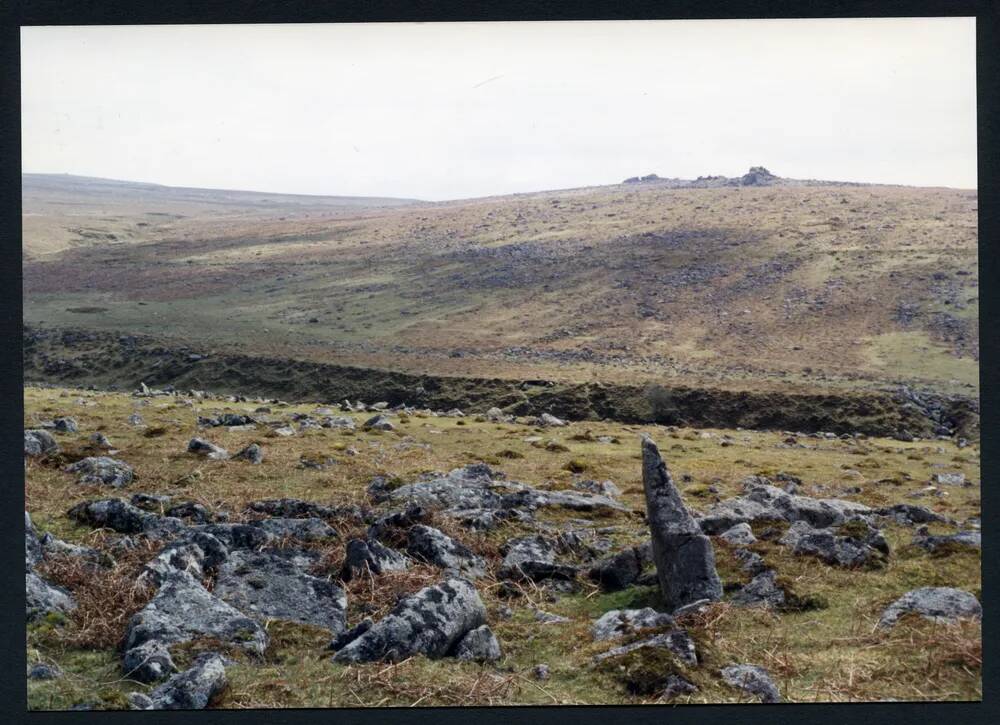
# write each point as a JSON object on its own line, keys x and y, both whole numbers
{"x": 447, "y": 110}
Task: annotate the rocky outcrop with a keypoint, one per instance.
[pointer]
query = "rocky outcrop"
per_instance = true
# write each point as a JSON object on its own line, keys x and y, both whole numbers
{"x": 534, "y": 558}
{"x": 435, "y": 547}
{"x": 266, "y": 585}
{"x": 685, "y": 561}
{"x": 103, "y": 471}
{"x": 371, "y": 555}
{"x": 938, "y": 604}
{"x": 620, "y": 622}
{"x": 431, "y": 622}
{"x": 193, "y": 689}
{"x": 183, "y": 610}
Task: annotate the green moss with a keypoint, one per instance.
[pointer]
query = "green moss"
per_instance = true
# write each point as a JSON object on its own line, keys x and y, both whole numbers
{"x": 576, "y": 465}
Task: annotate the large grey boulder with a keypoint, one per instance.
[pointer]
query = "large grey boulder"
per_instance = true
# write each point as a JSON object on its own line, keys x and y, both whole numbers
{"x": 102, "y": 470}
{"x": 684, "y": 558}
{"x": 430, "y": 622}
{"x": 534, "y": 558}
{"x": 266, "y": 585}
{"x": 436, "y": 547}
{"x": 479, "y": 645}
{"x": 39, "y": 443}
{"x": 370, "y": 554}
{"x": 938, "y": 604}
{"x": 753, "y": 680}
{"x": 620, "y": 622}
{"x": 183, "y": 610}
{"x": 43, "y": 598}
{"x": 193, "y": 689}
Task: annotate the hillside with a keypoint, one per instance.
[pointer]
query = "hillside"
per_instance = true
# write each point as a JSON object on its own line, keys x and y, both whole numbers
{"x": 62, "y": 211}
{"x": 782, "y": 285}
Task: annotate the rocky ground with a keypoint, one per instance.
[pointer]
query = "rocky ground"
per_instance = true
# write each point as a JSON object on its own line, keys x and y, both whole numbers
{"x": 187, "y": 550}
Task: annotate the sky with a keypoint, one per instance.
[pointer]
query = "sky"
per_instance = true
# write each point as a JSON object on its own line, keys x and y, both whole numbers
{"x": 457, "y": 110}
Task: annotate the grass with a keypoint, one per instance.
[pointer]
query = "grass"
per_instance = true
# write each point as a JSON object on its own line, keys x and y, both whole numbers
{"x": 828, "y": 653}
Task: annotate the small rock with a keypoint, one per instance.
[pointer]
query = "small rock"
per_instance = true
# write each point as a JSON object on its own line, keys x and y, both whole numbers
{"x": 252, "y": 453}
{"x": 203, "y": 448}
{"x": 752, "y": 679}
{"x": 739, "y": 535}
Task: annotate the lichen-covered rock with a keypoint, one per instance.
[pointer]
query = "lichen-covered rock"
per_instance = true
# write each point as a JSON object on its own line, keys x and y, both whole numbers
{"x": 534, "y": 558}
{"x": 753, "y": 680}
{"x": 478, "y": 645}
{"x": 479, "y": 487}
{"x": 865, "y": 546}
{"x": 620, "y": 622}
{"x": 44, "y": 598}
{"x": 305, "y": 529}
{"x": 252, "y": 453}
{"x": 372, "y": 555}
{"x": 938, "y": 604}
{"x": 762, "y": 591}
{"x": 102, "y": 470}
{"x": 39, "y": 443}
{"x": 201, "y": 447}
{"x": 677, "y": 642}
{"x": 947, "y": 542}
{"x": 739, "y": 535}
{"x": 684, "y": 558}
{"x": 190, "y": 510}
{"x": 378, "y": 422}
{"x": 51, "y": 546}
{"x": 148, "y": 662}
{"x": 430, "y": 622}
{"x": 183, "y": 610}
{"x": 547, "y": 420}
{"x": 266, "y": 585}
{"x": 763, "y": 502}
{"x": 237, "y": 536}
{"x": 66, "y": 425}
{"x": 193, "y": 689}
{"x": 113, "y": 513}
{"x": 32, "y": 545}
{"x": 436, "y": 547}
{"x": 195, "y": 552}
{"x": 909, "y": 514}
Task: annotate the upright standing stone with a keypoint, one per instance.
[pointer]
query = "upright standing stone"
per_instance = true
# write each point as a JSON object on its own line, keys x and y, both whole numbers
{"x": 685, "y": 561}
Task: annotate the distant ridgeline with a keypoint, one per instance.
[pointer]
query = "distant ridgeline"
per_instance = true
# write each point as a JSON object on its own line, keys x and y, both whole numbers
{"x": 756, "y": 176}
{"x": 108, "y": 361}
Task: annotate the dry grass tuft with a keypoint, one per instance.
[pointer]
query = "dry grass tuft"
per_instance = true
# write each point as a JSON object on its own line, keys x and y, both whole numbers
{"x": 106, "y": 597}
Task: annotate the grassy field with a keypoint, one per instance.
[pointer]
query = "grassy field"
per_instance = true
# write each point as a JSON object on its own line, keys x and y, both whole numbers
{"x": 831, "y": 653}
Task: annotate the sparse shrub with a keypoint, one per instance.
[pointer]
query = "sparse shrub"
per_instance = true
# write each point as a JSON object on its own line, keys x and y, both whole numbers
{"x": 576, "y": 465}
{"x": 508, "y": 453}
{"x": 154, "y": 432}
